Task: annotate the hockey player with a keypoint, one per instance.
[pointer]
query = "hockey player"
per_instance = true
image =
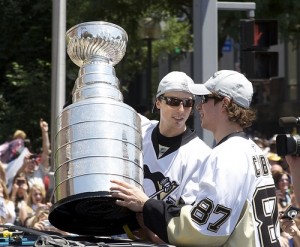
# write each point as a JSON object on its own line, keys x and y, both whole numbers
{"x": 236, "y": 202}
{"x": 172, "y": 152}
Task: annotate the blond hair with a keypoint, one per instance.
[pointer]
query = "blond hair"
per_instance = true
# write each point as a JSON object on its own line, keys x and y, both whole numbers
{"x": 19, "y": 134}
{"x": 37, "y": 186}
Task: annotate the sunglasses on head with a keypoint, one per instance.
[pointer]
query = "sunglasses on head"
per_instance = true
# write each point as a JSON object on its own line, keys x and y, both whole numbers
{"x": 172, "y": 101}
{"x": 205, "y": 98}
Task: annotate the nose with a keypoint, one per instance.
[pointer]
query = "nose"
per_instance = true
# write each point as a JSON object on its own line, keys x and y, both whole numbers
{"x": 181, "y": 107}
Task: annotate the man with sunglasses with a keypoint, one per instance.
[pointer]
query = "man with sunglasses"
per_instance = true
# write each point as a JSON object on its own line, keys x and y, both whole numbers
{"x": 236, "y": 200}
{"x": 172, "y": 151}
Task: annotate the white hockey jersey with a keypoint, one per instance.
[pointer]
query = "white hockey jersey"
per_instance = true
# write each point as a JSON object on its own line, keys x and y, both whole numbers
{"x": 235, "y": 207}
{"x": 170, "y": 173}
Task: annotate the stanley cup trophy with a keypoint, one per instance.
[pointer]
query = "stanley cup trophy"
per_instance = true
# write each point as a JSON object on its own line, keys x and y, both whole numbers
{"x": 98, "y": 137}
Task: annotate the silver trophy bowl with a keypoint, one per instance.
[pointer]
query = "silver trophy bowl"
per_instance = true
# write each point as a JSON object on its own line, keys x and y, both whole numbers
{"x": 98, "y": 137}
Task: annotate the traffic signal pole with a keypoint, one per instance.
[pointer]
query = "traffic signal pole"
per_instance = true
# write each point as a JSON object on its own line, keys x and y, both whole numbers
{"x": 205, "y": 61}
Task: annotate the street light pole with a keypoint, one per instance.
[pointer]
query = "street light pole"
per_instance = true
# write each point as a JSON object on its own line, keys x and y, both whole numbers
{"x": 58, "y": 74}
{"x": 149, "y": 30}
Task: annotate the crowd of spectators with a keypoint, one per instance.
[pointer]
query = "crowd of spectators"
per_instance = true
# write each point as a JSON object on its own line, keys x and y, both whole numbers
{"x": 24, "y": 181}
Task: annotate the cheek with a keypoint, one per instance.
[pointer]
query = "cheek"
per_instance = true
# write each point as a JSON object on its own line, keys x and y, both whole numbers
{"x": 165, "y": 111}
{"x": 37, "y": 198}
{"x": 210, "y": 115}
{"x": 187, "y": 111}
{"x": 211, "y": 109}
{"x": 164, "y": 115}
{"x": 206, "y": 109}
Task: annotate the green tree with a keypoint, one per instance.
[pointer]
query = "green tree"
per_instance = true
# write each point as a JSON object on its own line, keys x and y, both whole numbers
{"x": 25, "y": 70}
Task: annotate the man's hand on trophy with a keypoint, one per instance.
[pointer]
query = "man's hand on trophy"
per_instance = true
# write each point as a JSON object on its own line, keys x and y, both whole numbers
{"x": 131, "y": 196}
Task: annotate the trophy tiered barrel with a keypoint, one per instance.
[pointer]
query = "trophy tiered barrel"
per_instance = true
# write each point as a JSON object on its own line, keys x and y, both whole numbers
{"x": 98, "y": 137}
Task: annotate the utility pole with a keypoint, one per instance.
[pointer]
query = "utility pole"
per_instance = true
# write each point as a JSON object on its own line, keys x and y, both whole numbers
{"x": 205, "y": 51}
{"x": 205, "y": 23}
{"x": 58, "y": 73}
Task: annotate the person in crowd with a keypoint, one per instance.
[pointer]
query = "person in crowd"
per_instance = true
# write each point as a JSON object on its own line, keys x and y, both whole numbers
{"x": 236, "y": 200}
{"x": 19, "y": 134}
{"x": 285, "y": 198}
{"x": 45, "y": 154}
{"x": 172, "y": 152}
{"x": 32, "y": 169}
{"x": 17, "y": 145}
{"x": 10, "y": 149}
{"x": 274, "y": 158}
{"x": 36, "y": 200}
{"x": 284, "y": 190}
{"x": 275, "y": 161}
{"x": 19, "y": 194}
{"x": 276, "y": 168}
{"x": 39, "y": 167}
{"x": 289, "y": 226}
{"x": 7, "y": 208}
{"x": 36, "y": 167}
{"x": 40, "y": 222}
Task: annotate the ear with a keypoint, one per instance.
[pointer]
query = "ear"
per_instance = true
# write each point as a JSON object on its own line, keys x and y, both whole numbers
{"x": 158, "y": 104}
{"x": 226, "y": 101}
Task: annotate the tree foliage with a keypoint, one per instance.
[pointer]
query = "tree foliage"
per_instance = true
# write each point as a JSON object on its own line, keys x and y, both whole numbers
{"x": 25, "y": 70}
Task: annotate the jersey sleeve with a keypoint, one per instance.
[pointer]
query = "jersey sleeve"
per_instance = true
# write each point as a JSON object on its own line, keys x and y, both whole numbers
{"x": 175, "y": 225}
{"x": 153, "y": 210}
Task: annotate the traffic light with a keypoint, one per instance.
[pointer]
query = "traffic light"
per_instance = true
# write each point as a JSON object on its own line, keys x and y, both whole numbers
{"x": 256, "y": 37}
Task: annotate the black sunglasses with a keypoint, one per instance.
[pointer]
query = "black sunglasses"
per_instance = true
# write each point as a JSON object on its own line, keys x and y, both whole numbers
{"x": 205, "y": 98}
{"x": 176, "y": 102}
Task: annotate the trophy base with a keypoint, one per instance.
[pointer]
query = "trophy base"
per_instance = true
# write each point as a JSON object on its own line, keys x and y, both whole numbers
{"x": 91, "y": 213}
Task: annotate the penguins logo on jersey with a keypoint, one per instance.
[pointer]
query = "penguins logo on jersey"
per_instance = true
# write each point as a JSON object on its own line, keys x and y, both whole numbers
{"x": 163, "y": 186}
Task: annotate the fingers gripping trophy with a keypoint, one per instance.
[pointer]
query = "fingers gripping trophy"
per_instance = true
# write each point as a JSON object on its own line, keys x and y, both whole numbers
{"x": 98, "y": 137}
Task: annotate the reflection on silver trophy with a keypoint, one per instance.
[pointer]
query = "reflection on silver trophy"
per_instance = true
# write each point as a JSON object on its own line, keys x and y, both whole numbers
{"x": 98, "y": 137}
